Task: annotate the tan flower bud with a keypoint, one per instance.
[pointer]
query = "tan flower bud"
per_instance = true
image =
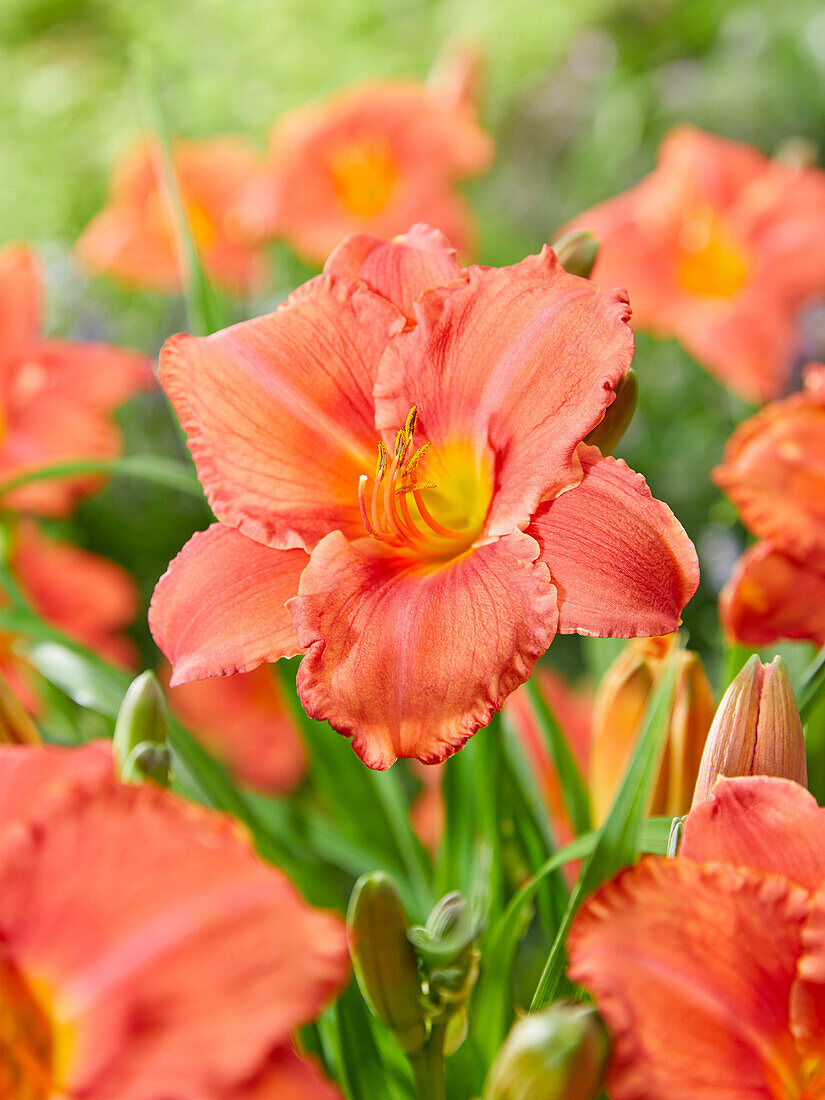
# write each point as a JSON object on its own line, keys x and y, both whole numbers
{"x": 617, "y": 715}
{"x": 557, "y": 1054}
{"x": 576, "y": 251}
{"x": 756, "y": 731}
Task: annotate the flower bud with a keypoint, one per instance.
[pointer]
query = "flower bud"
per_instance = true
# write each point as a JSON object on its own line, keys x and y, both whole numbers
{"x": 384, "y": 961}
{"x": 618, "y": 711}
{"x": 16, "y": 727}
{"x": 576, "y": 251}
{"x": 608, "y": 434}
{"x": 756, "y": 731}
{"x": 558, "y": 1054}
{"x": 139, "y": 742}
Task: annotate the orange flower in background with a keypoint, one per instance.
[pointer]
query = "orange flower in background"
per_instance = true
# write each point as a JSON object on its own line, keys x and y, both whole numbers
{"x": 719, "y": 247}
{"x": 773, "y": 470}
{"x": 57, "y": 397}
{"x": 375, "y": 159}
{"x": 245, "y": 721}
{"x": 134, "y": 239}
{"x": 147, "y": 951}
{"x": 86, "y": 596}
{"x": 421, "y": 589}
{"x": 709, "y": 969}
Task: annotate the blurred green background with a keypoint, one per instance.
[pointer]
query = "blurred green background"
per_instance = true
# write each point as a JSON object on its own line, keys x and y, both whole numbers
{"x": 578, "y": 95}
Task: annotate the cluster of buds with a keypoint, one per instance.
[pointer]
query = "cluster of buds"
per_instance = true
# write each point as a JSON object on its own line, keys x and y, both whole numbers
{"x": 418, "y": 979}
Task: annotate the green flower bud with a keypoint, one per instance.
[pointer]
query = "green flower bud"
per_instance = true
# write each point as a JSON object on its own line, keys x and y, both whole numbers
{"x": 384, "y": 961}
{"x": 140, "y": 733}
{"x": 558, "y": 1054}
{"x": 608, "y": 434}
{"x": 577, "y": 251}
{"x": 451, "y": 927}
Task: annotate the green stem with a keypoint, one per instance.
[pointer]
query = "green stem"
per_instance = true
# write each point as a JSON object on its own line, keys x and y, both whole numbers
{"x": 428, "y": 1066}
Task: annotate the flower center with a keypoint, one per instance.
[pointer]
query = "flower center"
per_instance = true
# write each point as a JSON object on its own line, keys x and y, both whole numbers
{"x": 430, "y": 502}
{"x": 711, "y": 262}
{"x": 364, "y": 176}
{"x": 26, "y": 1056}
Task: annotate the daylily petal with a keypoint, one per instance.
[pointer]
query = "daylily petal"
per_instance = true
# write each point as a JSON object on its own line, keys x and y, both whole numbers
{"x": 279, "y": 412}
{"x": 411, "y": 661}
{"x": 521, "y": 359}
{"x": 219, "y": 607}
{"x": 19, "y": 305}
{"x": 168, "y": 950}
{"x": 245, "y": 720}
{"x": 692, "y": 969}
{"x": 808, "y": 997}
{"x": 769, "y": 597}
{"x": 620, "y": 559}
{"x": 772, "y": 825}
{"x": 400, "y": 269}
{"x": 288, "y": 1077}
{"x": 27, "y": 779}
{"x": 774, "y": 472}
{"x": 90, "y": 598}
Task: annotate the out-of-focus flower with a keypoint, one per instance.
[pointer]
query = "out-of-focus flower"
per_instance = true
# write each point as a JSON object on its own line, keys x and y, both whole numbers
{"x": 719, "y": 247}
{"x": 134, "y": 239}
{"x": 619, "y": 707}
{"x": 709, "y": 969}
{"x": 56, "y": 396}
{"x": 773, "y": 471}
{"x": 245, "y": 721}
{"x": 147, "y": 951}
{"x": 422, "y": 589}
{"x": 557, "y": 1054}
{"x": 375, "y": 159}
{"x": 757, "y": 730}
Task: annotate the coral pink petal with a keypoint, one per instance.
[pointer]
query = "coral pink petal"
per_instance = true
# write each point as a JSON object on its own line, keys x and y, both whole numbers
{"x": 19, "y": 307}
{"x": 411, "y": 661}
{"x": 279, "y": 411}
{"x": 772, "y": 825}
{"x": 245, "y": 720}
{"x": 692, "y": 969}
{"x": 520, "y": 359}
{"x": 808, "y": 997}
{"x": 88, "y": 597}
{"x": 770, "y": 597}
{"x": 400, "y": 269}
{"x": 219, "y": 607}
{"x": 621, "y": 561}
{"x": 28, "y": 778}
{"x": 170, "y": 951}
{"x": 287, "y": 1077}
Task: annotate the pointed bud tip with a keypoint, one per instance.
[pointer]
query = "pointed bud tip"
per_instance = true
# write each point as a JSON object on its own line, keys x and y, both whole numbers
{"x": 141, "y": 722}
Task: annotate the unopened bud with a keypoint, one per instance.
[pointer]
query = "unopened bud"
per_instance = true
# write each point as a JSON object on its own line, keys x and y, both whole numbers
{"x": 384, "y": 961}
{"x": 139, "y": 742}
{"x": 608, "y": 434}
{"x": 756, "y": 731}
{"x": 576, "y": 251}
{"x": 618, "y": 711}
{"x": 16, "y": 727}
{"x": 557, "y": 1054}
{"x": 451, "y": 927}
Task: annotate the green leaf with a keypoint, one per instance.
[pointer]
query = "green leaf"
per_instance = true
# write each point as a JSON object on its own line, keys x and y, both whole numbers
{"x": 618, "y": 841}
{"x": 88, "y": 683}
{"x": 573, "y": 787}
{"x": 363, "y": 1071}
{"x": 160, "y": 471}
{"x": 812, "y": 688}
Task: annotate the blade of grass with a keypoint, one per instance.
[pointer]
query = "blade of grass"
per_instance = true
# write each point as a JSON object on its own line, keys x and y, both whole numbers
{"x": 454, "y": 859}
{"x": 812, "y": 687}
{"x": 618, "y": 841}
{"x": 160, "y": 471}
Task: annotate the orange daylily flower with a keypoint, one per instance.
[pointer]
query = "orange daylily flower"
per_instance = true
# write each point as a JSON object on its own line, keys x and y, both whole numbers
{"x": 147, "y": 951}
{"x": 56, "y": 396}
{"x": 134, "y": 239}
{"x": 375, "y": 159}
{"x": 772, "y": 470}
{"x": 245, "y": 721}
{"x": 709, "y": 969}
{"x": 422, "y": 589}
{"x": 719, "y": 247}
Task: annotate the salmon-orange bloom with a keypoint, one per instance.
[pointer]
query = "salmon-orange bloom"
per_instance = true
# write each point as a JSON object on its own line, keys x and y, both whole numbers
{"x": 375, "y": 159}
{"x": 134, "y": 239}
{"x": 147, "y": 951}
{"x": 773, "y": 470}
{"x": 709, "y": 969}
{"x": 719, "y": 247}
{"x": 56, "y": 396}
{"x": 423, "y": 587}
{"x": 245, "y": 721}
